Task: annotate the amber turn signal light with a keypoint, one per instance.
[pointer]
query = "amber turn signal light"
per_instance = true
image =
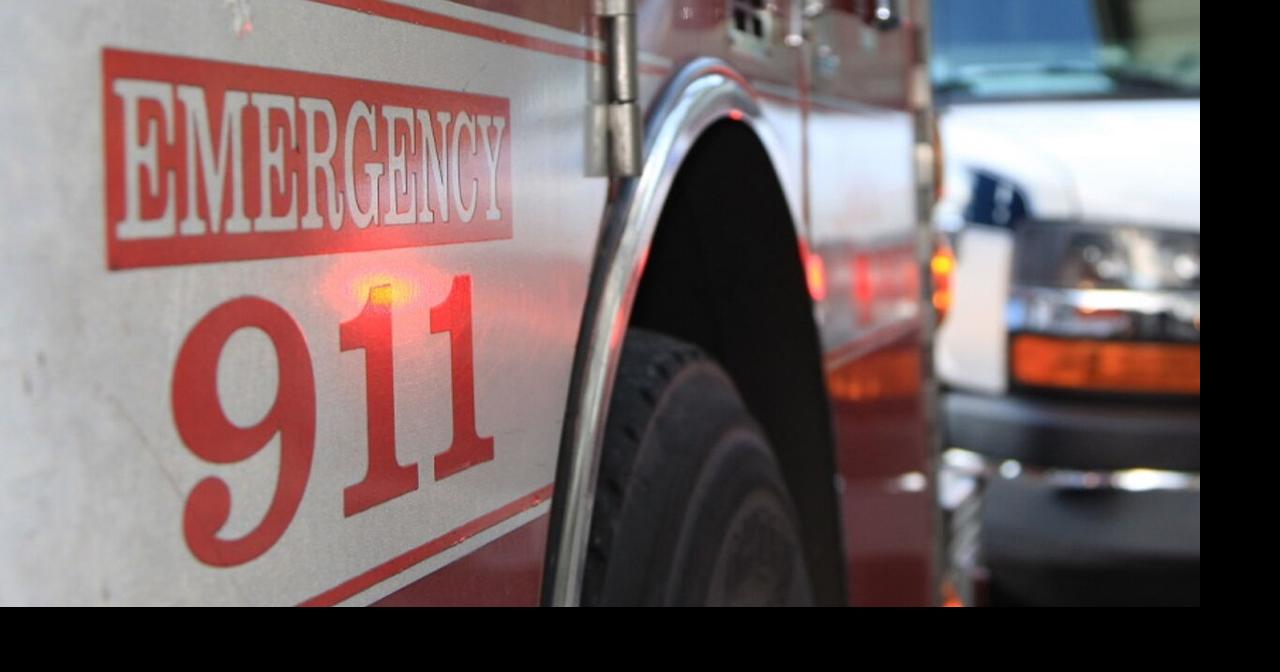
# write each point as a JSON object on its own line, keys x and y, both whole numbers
{"x": 941, "y": 266}
{"x": 1108, "y": 366}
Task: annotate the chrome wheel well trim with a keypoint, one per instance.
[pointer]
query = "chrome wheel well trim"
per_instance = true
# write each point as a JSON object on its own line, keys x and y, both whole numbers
{"x": 700, "y": 94}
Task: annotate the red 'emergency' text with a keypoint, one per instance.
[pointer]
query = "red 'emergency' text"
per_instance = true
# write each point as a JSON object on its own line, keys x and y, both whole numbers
{"x": 209, "y": 161}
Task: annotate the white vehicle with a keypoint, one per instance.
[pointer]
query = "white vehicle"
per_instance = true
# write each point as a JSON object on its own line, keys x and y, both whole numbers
{"x": 1069, "y": 353}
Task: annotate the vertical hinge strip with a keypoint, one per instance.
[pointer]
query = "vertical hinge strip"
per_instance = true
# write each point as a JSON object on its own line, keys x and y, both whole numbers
{"x": 618, "y": 19}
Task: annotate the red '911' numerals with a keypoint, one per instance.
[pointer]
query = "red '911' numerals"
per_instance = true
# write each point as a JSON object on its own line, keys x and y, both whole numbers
{"x": 205, "y": 429}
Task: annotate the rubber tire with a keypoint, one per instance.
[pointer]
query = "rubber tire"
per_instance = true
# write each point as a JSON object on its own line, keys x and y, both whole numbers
{"x": 690, "y": 506}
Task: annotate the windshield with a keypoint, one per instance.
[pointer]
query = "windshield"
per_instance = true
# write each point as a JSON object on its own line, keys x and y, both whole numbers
{"x": 1066, "y": 48}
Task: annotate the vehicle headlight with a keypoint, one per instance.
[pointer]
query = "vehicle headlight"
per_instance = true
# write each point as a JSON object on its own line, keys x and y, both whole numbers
{"x": 1105, "y": 309}
{"x": 1079, "y": 256}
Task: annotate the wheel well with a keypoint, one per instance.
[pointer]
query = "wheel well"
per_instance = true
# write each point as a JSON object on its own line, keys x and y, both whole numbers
{"x": 724, "y": 272}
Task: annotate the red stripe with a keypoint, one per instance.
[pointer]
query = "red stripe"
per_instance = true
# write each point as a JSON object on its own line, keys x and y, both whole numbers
{"x": 506, "y": 572}
{"x": 567, "y": 15}
{"x": 655, "y": 70}
{"x": 421, "y": 17}
{"x": 877, "y": 338}
{"x": 408, "y": 559}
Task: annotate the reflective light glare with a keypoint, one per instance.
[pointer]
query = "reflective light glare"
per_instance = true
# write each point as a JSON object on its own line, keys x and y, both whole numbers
{"x": 912, "y": 481}
{"x": 1187, "y": 266}
{"x": 963, "y": 461}
{"x": 964, "y": 468}
{"x": 863, "y": 290}
{"x": 1141, "y": 480}
{"x": 816, "y": 275}
{"x": 950, "y": 597}
{"x": 401, "y": 290}
{"x": 415, "y": 286}
{"x": 889, "y": 374}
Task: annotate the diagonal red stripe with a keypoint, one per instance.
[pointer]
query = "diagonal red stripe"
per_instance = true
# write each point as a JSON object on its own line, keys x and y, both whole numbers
{"x": 422, "y": 17}
{"x": 408, "y": 559}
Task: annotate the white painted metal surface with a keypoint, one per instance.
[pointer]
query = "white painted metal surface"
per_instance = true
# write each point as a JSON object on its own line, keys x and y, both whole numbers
{"x": 93, "y": 474}
{"x": 1107, "y": 161}
{"x": 971, "y": 343}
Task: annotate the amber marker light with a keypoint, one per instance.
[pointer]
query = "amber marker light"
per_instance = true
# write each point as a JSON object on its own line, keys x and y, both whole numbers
{"x": 1106, "y": 366}
{"x": 942, "y": 266}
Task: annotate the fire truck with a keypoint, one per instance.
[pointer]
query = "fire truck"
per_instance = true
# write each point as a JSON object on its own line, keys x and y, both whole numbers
{"x": 483, "y": 302}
